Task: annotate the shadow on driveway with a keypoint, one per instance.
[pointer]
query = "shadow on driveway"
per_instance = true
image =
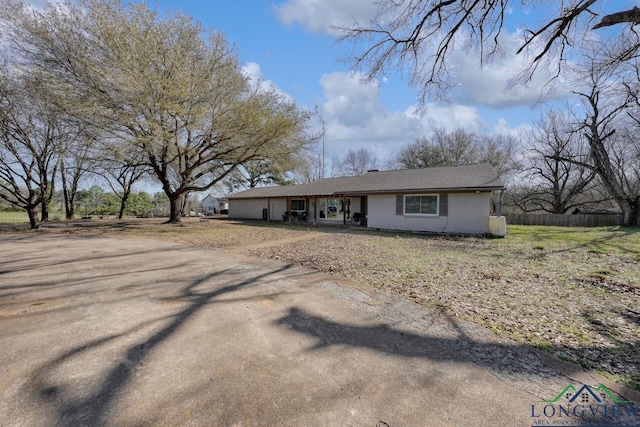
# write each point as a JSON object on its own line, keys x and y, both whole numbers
{"x": 117, "y": 332}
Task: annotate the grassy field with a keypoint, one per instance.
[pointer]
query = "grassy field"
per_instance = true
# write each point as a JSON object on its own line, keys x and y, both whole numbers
{"x": 13, "y": 217}
{"x": 21, "y": 217}
{"x": 574, "y": 292}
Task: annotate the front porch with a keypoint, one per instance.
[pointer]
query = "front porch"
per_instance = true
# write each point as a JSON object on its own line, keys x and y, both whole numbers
{"x": 343, "y": 209}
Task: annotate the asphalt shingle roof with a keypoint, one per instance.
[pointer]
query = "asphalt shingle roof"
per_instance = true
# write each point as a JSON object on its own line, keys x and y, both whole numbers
{"x": 447, "y": 178}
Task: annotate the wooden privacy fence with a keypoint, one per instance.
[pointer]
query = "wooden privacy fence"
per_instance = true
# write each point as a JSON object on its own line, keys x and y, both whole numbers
{"x": 558, "y": 220}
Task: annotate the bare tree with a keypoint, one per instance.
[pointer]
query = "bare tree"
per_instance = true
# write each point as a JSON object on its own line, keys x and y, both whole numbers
{"x": 308, "y": 170}
{"x": 312, "y": 167}
{"x": 608, "y": 115}
{"x": 459, "y": 147}
{"x": 358, "y": 162}
{"x": 442, "y": 148}
{"x": 390, "y": 162}
{"x": 555, "y": 173}
{"x": 419, "y": 36}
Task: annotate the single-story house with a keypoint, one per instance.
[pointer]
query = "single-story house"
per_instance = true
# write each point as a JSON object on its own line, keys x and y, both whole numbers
{"x": 451, "y": 199}
{"x": 213, "y": 205}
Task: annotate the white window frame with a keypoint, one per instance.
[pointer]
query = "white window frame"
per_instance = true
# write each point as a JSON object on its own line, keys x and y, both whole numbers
{"x": 404, "y": 205}
{"x": 304, "y": 201}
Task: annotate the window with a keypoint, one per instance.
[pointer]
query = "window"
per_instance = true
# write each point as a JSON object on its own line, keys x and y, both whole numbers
{"x": 332, "y": 209}
{"x": 424, "y": 204}
{"x": 298, "y": 204}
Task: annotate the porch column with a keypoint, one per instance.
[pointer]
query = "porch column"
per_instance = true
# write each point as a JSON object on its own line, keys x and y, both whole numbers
{"x": 344, "y": 210}
{"x": 315, "y": 211}
{"x": 289, "y": 209}
{"x": 268, "y": 209}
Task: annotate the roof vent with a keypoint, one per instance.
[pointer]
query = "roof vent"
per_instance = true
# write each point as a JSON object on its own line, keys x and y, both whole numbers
{"x": 373, "y": 170}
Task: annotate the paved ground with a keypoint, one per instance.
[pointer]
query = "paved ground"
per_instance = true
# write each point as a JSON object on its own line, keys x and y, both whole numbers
{"x": 97, "y": 331}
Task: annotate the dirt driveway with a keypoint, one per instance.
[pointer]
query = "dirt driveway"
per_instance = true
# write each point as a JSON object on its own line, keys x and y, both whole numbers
{"x": 98, "y": 331}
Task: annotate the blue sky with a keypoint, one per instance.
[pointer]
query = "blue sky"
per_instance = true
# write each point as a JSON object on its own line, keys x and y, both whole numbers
{"x": 289, "y": 44}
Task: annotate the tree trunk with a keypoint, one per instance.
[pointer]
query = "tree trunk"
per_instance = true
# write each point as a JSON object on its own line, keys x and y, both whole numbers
{"x": 69, "y": 206}
{"x": 630, "y": 212}
{"x": 604, "y": 169}
{"x": 69, "y": 202}
{"x": 185, "y": 201}
{"x": 44, "y": 214}
{"x": 557, "y": 203}
{"x": 176, "y": 202}
{"x": 123, "y": 204}
{"x": 33, "y": 217}
{"x": 47, "y": 189}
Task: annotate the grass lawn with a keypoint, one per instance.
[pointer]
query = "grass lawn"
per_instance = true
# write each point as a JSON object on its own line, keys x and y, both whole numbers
{"x": 623, "y": 241}
{"x": 574, "y": 292}
{"x": 14, "y": 217}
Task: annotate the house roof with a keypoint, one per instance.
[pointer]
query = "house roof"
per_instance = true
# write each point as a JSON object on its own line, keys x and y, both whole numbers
{"x": 448, "y": 178}
{"x": 211, "y": 196}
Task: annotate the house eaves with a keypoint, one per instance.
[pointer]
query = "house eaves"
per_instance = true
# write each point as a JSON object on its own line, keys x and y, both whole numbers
{"x": 466, "y": 178}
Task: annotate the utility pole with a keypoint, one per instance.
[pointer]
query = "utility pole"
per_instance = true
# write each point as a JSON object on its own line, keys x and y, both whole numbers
{"x": 323, "y": 131}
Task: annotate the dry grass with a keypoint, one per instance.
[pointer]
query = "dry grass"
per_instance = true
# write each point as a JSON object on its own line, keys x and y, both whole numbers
{"x": 579, "y": 301}
{"x": 572, "y": 292}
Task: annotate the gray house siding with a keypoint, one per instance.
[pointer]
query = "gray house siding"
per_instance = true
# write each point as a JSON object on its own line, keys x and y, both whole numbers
{"x": 449, "y": 199}
{"x": 247, "y": 208}
{"x": 457, "y": 212}
{"x": 355, "y": 205}
{"x": 465, "y": 213}
{"x": 469, "y": 212}
{"x": 252, "y": 208}
{"x": 277, "y": 209}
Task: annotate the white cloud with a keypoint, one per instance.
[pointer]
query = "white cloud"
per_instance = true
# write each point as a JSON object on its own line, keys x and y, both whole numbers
{"x": 254, "y": 73}
{"x": 494, "y": 86}
{"x": 503, "y": 127}
{"x": 355, "y": 118}
{"x": 320, "y": 15}
{"x": 349, "y": 100}
{"x": 452, "y": 116}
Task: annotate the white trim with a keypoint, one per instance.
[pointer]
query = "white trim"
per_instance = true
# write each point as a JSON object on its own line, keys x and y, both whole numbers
{"x": 404, "y": 204}
{"x": 299, "y": 210}
{"x": 327, "y": 218}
